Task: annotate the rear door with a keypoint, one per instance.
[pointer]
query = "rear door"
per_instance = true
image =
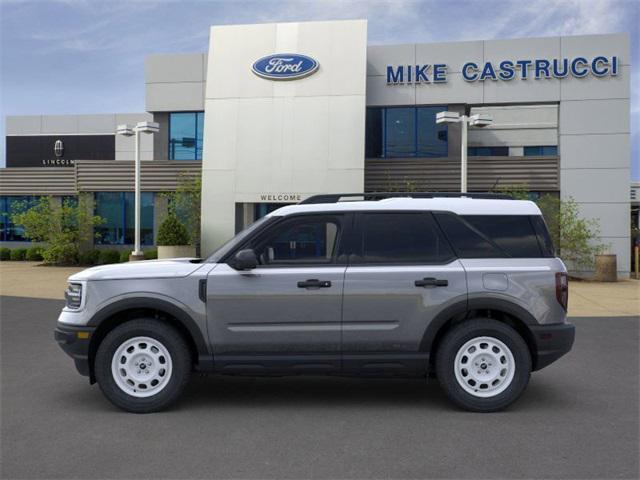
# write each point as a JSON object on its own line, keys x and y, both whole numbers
{"x": 401, "y": 275}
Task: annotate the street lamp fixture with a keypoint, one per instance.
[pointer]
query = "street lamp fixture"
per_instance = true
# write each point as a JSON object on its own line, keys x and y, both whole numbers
{"x": 128, "y": 131}
{"x": 477, "y": 120}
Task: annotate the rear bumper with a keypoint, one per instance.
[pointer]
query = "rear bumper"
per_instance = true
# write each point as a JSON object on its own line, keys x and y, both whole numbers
{"x": 552, "y": 342}
{"x": 75, "y": 343}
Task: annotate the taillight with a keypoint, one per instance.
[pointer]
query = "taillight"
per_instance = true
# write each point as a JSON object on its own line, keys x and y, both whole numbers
{"x": 562, "y": 289}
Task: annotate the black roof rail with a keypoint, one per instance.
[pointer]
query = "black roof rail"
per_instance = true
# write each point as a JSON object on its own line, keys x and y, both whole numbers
{"x": 372, "y": 196}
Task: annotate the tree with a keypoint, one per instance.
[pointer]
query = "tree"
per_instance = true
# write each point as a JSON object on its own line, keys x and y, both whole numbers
{"x": 63, "y": 227}
{"x": 184, "y": 203}
{"x": 578, "y": 238}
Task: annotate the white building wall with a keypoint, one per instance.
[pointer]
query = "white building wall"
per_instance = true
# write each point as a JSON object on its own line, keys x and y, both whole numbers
{"x": 265, "y": 137}
{"x": 592, "y": 128}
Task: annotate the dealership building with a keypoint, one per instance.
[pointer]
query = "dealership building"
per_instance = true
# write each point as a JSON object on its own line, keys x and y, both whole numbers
{"x": 274, "y": 113}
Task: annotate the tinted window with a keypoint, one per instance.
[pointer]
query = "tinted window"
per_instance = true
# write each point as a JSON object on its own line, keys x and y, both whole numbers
{"x": 299, "y": 241}
{"x": 488, "y": 151}
{"x": 512, "y": 233}
{"x": 10, "y": 232}
{"x": 468, "y": 242}
{"x": 400, "y": 132}
{"x": 432, "y": 137}
{"x": 185, "y": 135}
{"x": 373, "y": 136}
{"x": 544, "y": 239}
{"x": 117, "y": 211}
{"x": 541, "y": 151}
{"x": 405, "y": 132}
{"x": 394, "y": 238}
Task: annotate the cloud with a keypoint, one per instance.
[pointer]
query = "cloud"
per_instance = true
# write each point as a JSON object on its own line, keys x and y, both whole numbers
{"x": 67, "y": 56}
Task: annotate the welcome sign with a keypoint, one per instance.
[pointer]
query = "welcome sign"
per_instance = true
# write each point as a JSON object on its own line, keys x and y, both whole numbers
{"x": 506, "y": 70}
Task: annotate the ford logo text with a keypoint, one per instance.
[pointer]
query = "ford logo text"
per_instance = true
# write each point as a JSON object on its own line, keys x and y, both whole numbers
{"x": 284, "y": 66}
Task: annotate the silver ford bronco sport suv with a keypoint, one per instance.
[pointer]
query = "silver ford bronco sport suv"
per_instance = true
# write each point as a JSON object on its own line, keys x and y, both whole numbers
{"x": 467, "y": 289}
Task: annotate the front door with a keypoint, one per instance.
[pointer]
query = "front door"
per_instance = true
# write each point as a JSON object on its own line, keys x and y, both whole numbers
{"x": 402, "y": 275}
{"x": 286, "y": 313}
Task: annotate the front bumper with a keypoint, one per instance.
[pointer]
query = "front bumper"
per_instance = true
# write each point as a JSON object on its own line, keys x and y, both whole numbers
{"x": 552, "y": 342}
{"x": 75, "y": 343}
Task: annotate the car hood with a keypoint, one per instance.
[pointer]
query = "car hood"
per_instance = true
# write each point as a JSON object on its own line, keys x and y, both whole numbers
{"x": 173, "y": 268}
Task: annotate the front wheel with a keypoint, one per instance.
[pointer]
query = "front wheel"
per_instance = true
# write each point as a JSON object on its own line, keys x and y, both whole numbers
{"x": 143, "y": 365}
{"x": 483, "y": 365}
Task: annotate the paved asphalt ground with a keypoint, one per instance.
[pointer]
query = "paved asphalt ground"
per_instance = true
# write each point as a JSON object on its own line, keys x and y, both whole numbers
{"x": 578, "y": 419}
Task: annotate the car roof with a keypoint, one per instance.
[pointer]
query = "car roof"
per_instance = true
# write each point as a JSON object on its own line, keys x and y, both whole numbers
{"x": 460, "y": 206}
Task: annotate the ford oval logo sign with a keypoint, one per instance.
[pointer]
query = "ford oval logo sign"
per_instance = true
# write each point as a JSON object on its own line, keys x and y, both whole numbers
{"x": 285, "y": 66}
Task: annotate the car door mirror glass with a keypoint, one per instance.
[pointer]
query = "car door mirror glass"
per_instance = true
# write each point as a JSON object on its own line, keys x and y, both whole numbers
{"x": 245, "y": 260}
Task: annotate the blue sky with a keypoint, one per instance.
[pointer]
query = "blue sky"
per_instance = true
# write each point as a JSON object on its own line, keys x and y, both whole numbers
{"x": 83, "y": 56}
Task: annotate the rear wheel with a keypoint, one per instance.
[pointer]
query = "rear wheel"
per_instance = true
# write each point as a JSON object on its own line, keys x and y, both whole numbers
{"x": 143, "y": 365}
{"x": 483, "y": 365}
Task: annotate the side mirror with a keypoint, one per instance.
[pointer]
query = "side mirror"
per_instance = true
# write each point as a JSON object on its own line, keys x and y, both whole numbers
{"x": 245, "y": 260}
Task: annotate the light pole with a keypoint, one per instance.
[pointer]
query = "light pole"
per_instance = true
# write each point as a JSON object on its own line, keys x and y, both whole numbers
{"x": 128, "y": 131}
{"x": 477, "y": 120}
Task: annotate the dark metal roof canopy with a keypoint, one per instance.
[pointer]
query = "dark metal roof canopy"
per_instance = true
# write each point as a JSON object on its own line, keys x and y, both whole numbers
{"x": 373, "y": 196}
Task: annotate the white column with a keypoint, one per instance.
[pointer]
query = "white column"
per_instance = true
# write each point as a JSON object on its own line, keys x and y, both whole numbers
{"x": 463, "y": 155}
{"x": 136, "y": 247}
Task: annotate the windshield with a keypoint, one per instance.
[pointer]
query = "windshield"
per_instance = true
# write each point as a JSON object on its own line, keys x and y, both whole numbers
{"x": 230, "y": 244}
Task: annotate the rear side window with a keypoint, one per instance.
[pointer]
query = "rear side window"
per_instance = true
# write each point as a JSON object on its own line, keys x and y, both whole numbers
{"x": 544, "y": 239}
{"x": 401, "y": 238}
{"x": 466, "y": 240}
{"x": 514, "y": 234}
{"x": 493, "y": 236}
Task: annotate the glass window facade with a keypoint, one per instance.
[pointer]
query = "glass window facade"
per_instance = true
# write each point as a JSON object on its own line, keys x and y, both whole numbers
{"x": 9, "y": 232}
{"x": 488, "y": 151}
{"x": 541, "y": 151}
{"x": 405, "y": 132}
{"x": 117, "y": 209}
{"x": 185, "y": 135}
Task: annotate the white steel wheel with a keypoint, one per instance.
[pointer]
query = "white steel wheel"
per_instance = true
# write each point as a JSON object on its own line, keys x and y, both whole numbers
{"x": 484, "y": 367}
{"x": 141, "y": 367}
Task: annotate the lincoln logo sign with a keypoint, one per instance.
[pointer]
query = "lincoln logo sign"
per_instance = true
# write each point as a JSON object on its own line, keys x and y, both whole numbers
{"x": 505, "y": 70}
{"x": 58, "y": 148}
{"x": 285, "y": 66}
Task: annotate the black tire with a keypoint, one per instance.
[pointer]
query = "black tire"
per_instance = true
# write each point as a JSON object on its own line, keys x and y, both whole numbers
{"x": 456, "y": 338}
{"x": 170, "y": 339}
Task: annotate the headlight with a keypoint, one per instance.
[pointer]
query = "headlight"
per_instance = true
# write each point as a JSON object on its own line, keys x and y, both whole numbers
{"x": 73, "y": 295}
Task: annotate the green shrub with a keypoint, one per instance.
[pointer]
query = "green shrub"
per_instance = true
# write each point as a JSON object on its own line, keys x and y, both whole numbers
{"x": 63, "y": 226}
{"x": 109, "y": 256}
{"x": 151, "y": 255}
{"x": 172, "y": 232}
{"x": 34, "y": 254}
{"x": 5, "y": 254}
{"x": 61, "y": 254}
{"x": 90, "y": 257}
{"x": 124, "y": 256}
{"x": 18, "y": 254}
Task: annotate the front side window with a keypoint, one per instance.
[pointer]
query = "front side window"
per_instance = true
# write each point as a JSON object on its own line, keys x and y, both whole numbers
{"x": 397, "y": 132}
{"x": 401, "y": 238}
{"x": 117, "y": 209}
{"x": 185, "y": 135}
{"x": 300, "y": 241}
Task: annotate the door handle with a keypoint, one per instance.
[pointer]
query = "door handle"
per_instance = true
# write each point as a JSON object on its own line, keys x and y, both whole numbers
{"x": 431, "y": 282}
{"x": 314, "y": 283}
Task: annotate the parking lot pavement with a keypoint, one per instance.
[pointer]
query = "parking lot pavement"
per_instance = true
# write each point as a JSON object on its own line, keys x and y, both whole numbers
{"x": 578, "y": 419}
